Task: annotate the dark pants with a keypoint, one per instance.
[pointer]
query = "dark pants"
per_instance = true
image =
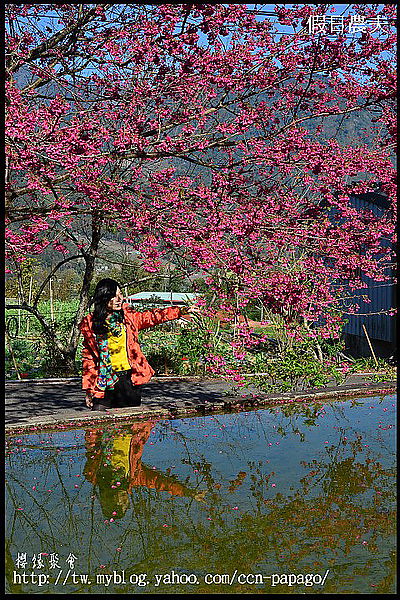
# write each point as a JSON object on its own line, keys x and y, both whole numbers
{"x": 124, "y": 393}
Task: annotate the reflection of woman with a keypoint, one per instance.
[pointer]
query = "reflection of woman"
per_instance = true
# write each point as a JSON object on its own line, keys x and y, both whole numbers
{"x": 114, "y": 466}
{"x": 114, "y": 367}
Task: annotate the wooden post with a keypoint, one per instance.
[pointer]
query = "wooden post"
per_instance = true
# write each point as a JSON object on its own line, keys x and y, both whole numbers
{"x": 19, "y": 312}
{"x": 12, "y": 354}
{"x": 29, "y": 302}
{"x": 51, "y": 301}
{"x": 370, "y": 345}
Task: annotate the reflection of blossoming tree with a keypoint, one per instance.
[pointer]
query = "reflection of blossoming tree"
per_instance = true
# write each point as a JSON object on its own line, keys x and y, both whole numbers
{"x": 342, "y": 508}
{"x": 313, "y": 529}
{"x": 200, "y": 132}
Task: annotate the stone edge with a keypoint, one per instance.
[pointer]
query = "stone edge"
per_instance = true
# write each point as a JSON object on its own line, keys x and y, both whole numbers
{"x": 171, "y": 411}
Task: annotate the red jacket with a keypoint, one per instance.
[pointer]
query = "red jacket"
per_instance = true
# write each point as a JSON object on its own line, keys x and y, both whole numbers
{"x": 139, "y": 474}
{"x": 134, "y": 322}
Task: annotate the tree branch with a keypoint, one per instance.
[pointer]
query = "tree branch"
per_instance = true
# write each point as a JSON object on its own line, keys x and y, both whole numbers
{"x": 50, "y": 275}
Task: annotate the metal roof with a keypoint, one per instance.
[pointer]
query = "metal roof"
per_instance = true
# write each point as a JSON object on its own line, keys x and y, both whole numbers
{"x": 171, "y": 297}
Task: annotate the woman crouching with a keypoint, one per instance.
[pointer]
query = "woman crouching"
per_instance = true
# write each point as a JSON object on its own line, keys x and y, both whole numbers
{"x": 114, "y": 367}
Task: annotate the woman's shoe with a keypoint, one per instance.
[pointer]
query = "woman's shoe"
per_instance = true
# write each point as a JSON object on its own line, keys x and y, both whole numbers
{"x": 99, "y": 407}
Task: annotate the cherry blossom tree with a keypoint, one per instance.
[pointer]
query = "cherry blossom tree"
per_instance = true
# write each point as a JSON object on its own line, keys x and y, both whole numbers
{"x": 204, "y": 133}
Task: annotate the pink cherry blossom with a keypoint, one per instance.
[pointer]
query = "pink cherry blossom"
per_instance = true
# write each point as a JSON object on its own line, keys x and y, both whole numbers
{"x": 206, "y": 153}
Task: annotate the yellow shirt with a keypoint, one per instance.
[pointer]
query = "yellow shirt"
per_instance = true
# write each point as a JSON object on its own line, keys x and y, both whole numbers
{"x": 120, "y": 453}
{"x": 117, "y": 350}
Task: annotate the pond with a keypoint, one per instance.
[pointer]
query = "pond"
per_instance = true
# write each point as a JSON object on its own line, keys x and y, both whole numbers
{"x": 293, "y": 499}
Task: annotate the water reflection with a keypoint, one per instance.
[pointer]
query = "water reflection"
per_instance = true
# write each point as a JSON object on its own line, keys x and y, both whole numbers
{"x": 114, "y": 466}
{"x": 266, "y": 491}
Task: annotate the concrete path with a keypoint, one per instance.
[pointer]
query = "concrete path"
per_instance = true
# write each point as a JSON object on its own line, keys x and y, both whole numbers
{"x": 46, "y": 404}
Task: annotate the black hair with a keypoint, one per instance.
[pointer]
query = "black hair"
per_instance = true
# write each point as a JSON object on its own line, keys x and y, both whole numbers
{"x": 105, "y": 290}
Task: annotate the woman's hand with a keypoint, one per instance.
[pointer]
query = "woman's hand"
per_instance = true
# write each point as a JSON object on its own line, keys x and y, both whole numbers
{"x": 88, "y": 399}
{"x": 193, "y": 309}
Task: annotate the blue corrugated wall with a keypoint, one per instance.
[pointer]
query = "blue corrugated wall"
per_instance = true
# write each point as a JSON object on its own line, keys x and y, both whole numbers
{"x": 381, "y": 294}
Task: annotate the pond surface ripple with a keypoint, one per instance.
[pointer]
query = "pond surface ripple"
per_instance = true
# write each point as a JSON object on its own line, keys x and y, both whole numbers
{"x": 233, "y": 503}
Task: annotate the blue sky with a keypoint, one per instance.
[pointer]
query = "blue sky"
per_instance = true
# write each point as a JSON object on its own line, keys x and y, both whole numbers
{"x": 338, "y": 10}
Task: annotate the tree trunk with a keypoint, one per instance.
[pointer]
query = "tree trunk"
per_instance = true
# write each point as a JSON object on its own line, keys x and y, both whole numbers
{"x": 67, "y": 352}
{"x": 90, "y": 259}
